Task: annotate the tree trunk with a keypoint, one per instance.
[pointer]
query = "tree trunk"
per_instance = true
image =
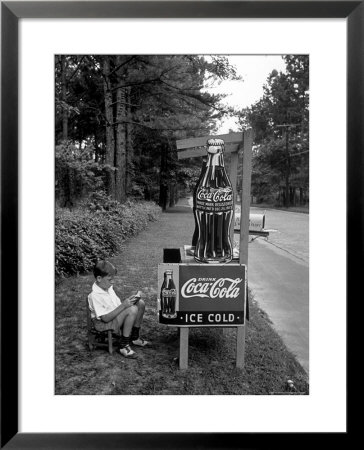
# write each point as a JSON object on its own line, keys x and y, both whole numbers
{"x": 288, "y": 170}
{"x": 120, "y": 151}
{"x": 163, "y": 188}
{"x": 163, "y": 196}
{"x": 64, "y": 98}
{"x": 171, "y": 157}
{"x": 301, "y": 196}
{"x": 129, "y": 144}
{"x": 292, "y": 192}
{"x": 67, "y": 183}
{"x": 98, "y": 156}
{"x": 172, "y": 195}
{"x": 284, "y": 201}
{"x": 147, "y": 195}
{"x": 110, "y": 138}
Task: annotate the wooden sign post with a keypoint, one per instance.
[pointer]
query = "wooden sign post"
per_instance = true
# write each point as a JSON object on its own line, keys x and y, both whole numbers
{"x": 236, "y": 144}
{"x": 244, "y": 231}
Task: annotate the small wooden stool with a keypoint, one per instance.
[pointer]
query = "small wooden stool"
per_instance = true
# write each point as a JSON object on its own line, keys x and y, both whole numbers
{"x": 97, "y": 338}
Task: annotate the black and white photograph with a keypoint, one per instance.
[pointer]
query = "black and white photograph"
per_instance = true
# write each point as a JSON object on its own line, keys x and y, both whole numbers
{"x": 182, "y": 224}
{"x": 181, "y": 207}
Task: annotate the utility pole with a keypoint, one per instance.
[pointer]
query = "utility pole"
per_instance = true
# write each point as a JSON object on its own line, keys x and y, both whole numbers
{"x": 287, "y": 127}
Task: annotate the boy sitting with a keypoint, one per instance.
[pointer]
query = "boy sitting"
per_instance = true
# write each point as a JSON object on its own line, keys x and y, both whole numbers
{"x": 109, "y": 313}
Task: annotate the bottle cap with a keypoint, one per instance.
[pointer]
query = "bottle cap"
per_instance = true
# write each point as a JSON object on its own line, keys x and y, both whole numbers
{"x": 215, "y": 145}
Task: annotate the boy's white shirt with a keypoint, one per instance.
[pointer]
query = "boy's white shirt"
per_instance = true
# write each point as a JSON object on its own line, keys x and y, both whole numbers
{"x": 102, "y": 302}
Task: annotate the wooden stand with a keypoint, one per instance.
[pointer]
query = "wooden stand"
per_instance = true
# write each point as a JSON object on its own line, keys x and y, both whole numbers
{"x": 237, "y": 144}
{"x": 183, "y": 347}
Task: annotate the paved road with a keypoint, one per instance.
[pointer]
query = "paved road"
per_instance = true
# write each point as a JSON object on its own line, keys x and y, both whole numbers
{"x": 279, "y": 278}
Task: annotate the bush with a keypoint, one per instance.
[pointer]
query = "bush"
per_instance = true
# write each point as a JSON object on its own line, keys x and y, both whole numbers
{"x": 76, "y": 173}
{"x": 96, "y": 230}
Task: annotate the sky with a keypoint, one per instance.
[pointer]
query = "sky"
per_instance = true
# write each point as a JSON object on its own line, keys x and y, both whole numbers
{"x": 254, "y": 70}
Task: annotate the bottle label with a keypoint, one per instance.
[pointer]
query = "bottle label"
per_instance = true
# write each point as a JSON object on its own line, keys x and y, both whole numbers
{"x": 169, "y": 292}
{"x": 214, "y": 200}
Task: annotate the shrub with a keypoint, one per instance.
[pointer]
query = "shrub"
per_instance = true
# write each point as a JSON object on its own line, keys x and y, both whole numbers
{"x": 76, "y": 172}
{"x": 96, "y": 230}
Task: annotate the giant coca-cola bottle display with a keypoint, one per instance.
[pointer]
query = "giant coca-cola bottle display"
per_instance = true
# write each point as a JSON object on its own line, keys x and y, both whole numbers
{"x": 214, "y": 208}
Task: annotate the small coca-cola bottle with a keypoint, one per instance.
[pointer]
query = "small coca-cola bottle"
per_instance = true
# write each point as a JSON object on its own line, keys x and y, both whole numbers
{"x": 168, "y": 296}
{"x": 214, "y": 208}
{"x": 195, "y": 233}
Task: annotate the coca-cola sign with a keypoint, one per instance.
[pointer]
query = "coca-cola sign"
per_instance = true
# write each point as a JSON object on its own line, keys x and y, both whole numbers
{"x": 211, "y": 288}
{"x": 215, "y": 195}
{"x": 214, "y": 200}
{"x": 206, "y": 294}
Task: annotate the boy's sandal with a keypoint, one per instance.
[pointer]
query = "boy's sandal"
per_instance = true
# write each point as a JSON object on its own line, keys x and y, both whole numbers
{"x": 140, "y": 342}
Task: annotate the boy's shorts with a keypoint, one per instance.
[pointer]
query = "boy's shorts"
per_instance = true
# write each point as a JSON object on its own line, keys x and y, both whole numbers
{"x": 113, "y": 325}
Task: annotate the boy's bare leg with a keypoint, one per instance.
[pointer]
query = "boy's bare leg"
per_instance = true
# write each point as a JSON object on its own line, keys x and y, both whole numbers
{"x": 139, "y": 317}
{"x": 129, "y": 320}
{"x": 126, "y": 320}
{"x": 135, "y": 339}
{"x": 127, "y": 326}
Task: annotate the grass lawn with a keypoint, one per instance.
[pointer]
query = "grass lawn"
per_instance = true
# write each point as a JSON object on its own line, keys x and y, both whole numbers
{"x": 268, "y": 364}
{"x": 212, "y": 371}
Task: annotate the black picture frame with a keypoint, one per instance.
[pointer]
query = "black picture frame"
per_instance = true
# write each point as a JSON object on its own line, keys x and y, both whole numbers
{"x": 11, "y": 12}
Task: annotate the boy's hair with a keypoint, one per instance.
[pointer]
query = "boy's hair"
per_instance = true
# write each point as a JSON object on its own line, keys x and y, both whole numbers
{"x": 103, "y": 268}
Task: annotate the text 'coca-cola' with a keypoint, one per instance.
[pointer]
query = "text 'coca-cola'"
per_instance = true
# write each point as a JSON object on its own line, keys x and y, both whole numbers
{"x": 219, "y": 288}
